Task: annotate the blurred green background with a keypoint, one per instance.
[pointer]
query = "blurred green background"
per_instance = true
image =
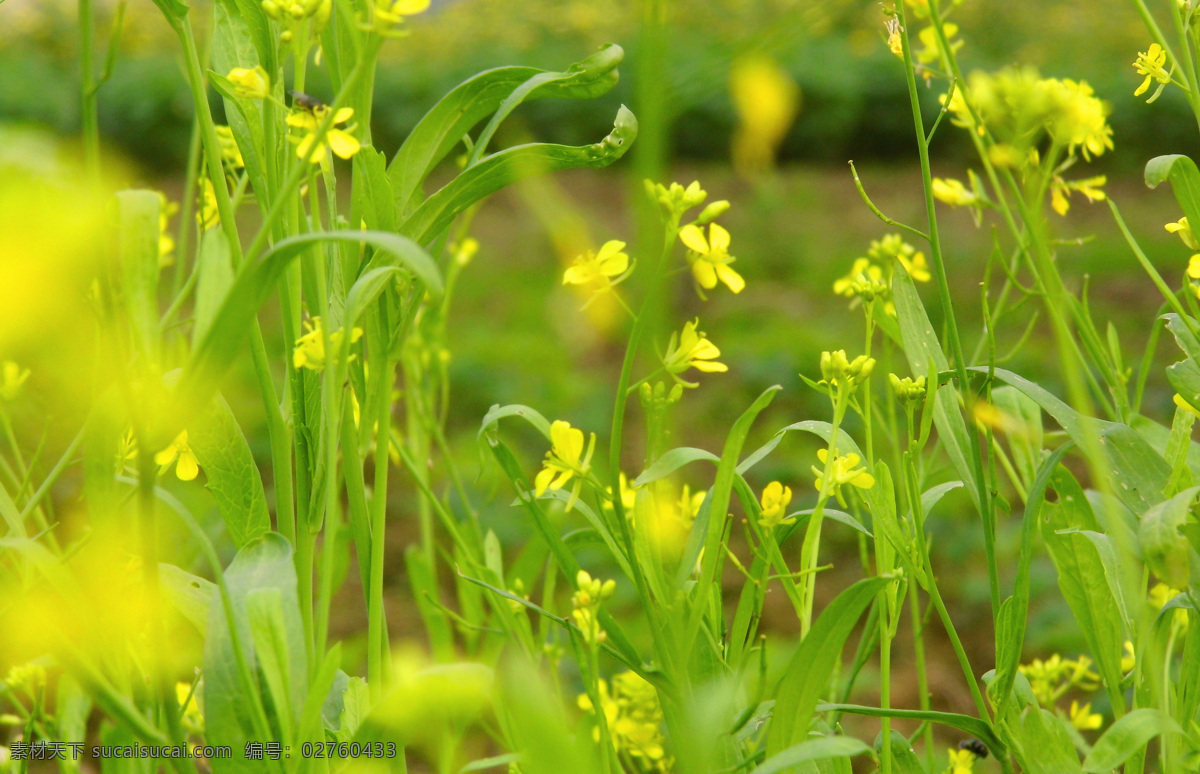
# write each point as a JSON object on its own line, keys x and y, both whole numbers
{"x": 518, "y": 336}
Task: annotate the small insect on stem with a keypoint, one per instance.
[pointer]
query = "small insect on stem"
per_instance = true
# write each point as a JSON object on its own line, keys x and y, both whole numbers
{"x": 306, "y": 101}
{"x": 974, "y": 745}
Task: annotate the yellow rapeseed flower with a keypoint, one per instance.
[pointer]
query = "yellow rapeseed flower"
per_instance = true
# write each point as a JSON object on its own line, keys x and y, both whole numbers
{"x": 1184, "y": 231}
{"x": 188, "y": 466}
{"x": 309, "y": 351}
{"x": 766, "y": 100}
{"x": 208, "y": 214}
{"x": 953, "y": 192}
{"x": 12, "y": 380}
{"x": 252, "y": 83}
{"x": 1151, "y": 63}
{"x": 602, "y": 270}
{"x": 774, "y": 502}
{"x": 692, "y": 349}
{"x": 864, "y": 280}
{"x": 961, "y": 761}
{"x": 166, "y": 243}
{"x": 634, "y": 719}
{"x": 590, "y": 593}
{"x": 231, "y": 154}
{"x": 565, "y": 460}
{"x": 894, "y": 246}
{"x": 392, "y": 12}
{"x": 843, "y": 470}
{"x": 340, "y": 141}
{"x": 710, "y": 257}
{"x": 1129, "y": 658}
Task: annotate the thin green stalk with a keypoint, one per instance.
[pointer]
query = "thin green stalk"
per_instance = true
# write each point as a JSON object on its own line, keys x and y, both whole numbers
{"x": 987, "y": 512}
{"x": 376, "y": 620}
{"x": 89, "y": 112}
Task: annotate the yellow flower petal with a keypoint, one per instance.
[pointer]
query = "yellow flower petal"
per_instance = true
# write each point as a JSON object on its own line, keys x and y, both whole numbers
{"x": 718, "y": 238}
{"x": 343, "y": 143}
{"x": 705, "y": 274}
{"x": 188, "y": 466}
{"x": 731, "y": 278}
{"x": 693, "y": 237}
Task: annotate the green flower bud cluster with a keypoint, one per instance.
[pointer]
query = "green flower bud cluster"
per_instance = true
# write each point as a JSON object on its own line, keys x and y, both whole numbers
{"x": 907, "y": 390}
{"x": 676, "y": 200}
{"x": 838, "y": 370}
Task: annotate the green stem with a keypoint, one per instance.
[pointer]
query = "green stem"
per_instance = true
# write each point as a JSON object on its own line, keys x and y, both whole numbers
{"x": 89, "y": 112}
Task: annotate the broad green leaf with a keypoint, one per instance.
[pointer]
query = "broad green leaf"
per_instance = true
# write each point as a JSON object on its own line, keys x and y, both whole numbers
{"x": 670, "y": 461}
{"x": 371, "y": 199}
{"x": 510, "y": 165}
{"x": 71, "y": 712}
{"x": 231, "y": 472}
{"x": 1159, "y": 438}
{"x": 356, "y": 705}
{"x": 139, "y": 211}
{"x": 1081, "y": 577}
{"x": 173, "y": 10}
{"x": 425, "y": 592}
{"x": 1047, "y": 746}
{"x": 812, "y": 750}
{"x": 253, "y": 285}
{"x": 904, "y": 760}
{"x": 1164, "y": 548}
{"x": 234, "y": 710}
{"x": 232, "y": 43}
{"x": 970, "y": 725}
{"x": 1139, "y": 473}
{"x": 497, "y": 412}
{"x": 1010, "y": 631}
{"x": 191, "y": 595}
{"x": 1126, "y": 736}
{"x": 806, "y": 676}
{"x": 443, "y": 127}
{"x": 924, "y": 352}
{"x": 1181, "y": 172}
{"x": 258, "y": 27}
{"x": 269, "y": 633}
{"x": 822, "y": 430}
{"x": 1181, "y": 329}
{"x": 1026, "y": 443}
{"x": 214, "y": 272}
{"x": 881, "y": 500}
{"x": 245, "y": 122}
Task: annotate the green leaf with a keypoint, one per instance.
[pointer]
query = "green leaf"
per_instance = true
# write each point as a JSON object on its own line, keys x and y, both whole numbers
{"x": 269, "y": 633}
{"x": 670, "y": 461}
{"x": 822, "y": 430}
{"x": 812, "y": 750}
{"x": 230, "y": 705}
{"x": 497, "y": 412}
{"x": 232, "y": 43}
{"x": 443, "y": 127}
{"x": 806, "y": 676}
{"x": 972, "y": 726}
{"x": 1081, "y": 578}
{"x": 1181, "y": 172}
{"x": 1164, "y": 549}
{"x": 174, "y": 10}
{"x": 881, "y": 499}
{"x": 1139, "y": 473}
{"x": 356, "y": 705}
{"x": 232, "y": 475}
{"x": 214, "y": 271}
{"x": 924, "y": 353}
{"x": 139, "y": 211}
{"x": 1182, "y": 331}
{"x": 1027, "y": 443}
{"x": 253, "y": 285}
{"x": 245, "y": 122}
{"x": 371, "y": 199}
{"x": 1126, "y": 736}
{"x": 1047, "y": 746}
{"x": 508, "y": 166}
{"x": 904, "y": 760}
{"x": 190, "y": 594}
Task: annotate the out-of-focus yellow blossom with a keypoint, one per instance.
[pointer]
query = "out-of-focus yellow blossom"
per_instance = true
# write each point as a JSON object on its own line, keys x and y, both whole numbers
{"x": 602, "y": 270}
{"x": 310, "y": 352}
{"x": 838, "y": 370}
{"x": 1129, "y": 658}
{"x": 252, "y": 83}
{"x": 1184, "y": 232}
{"x": 1160, "y": 594}
{"x": 628, "y": 496}
{"x": 692, "y": 349}
{"x": 1151, "y": 63}
{"x": 294, "y": 11}
{"x": 389, "y": 13}
{"x": 894, "y": 246}
{"x": 961, "y": 762}
{"x": 953, "y": 192}
{"x": 340, "y": 141}
{"x": 710, "y": 257}
{"x": 865, "y": 280}
{"x": 774, "y": 501}
{"x": 931, "y": 51}
{"x": 517, "y": 590}
{"x": 190, "y": 714}
{"x": 590, "y": 593}
{"x": 766, "y": 99}
{"x": 188, "y": 466}
{"x": 26, "y": 677}
{"x": 12, "y": 380}
{"x": 1053, "y": 677}
{"x": 231, "y": 154}
{"x": 465, "y": 250}
{"x": 842, "y": 470}
{"x": 675, "y": 198}
{"x": 1083, "y": 718}
{"x": 634, "y": 719}
{"x": 1081, "y": 120}
{"x": 1061, "y": 189}
{"x": 565, "y": 460}
{"x": 166, "y": 243}
{"x": 208, "y": 214}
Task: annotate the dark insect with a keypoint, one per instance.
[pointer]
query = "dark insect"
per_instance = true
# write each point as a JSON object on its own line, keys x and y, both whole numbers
{"x": 305, "y": 101}
{"x": 974, "y": 745}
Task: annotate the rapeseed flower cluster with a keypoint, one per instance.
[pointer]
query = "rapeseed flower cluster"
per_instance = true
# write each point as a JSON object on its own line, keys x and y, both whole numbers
{"x": 309, "y": 351}
{"x": 870, "y": 276}
{"x": 843, "y": 469}
{"x": 590, "y": 593}
{"x": 602, "y": 270}
{"x": 1051, "y": 678}
{"x": 690, "y": 348}
{"x": 840, "y": 372}
{"x": 634, "y": 719}
{"x": 187, "y": 467}
{"x": 774, "y": 502}
{"x": 565, "y": 460}
{"x": 12, "y": 379}
{"x": 1152, "y": 64}
{"x": 341, "y": 141}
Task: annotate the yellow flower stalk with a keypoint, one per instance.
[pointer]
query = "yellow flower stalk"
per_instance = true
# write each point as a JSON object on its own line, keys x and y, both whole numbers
{"x": 340, "y": 141}
{"x": 710, "y": 258}
{"x": 690, "y": 348}
{"x": 843, "y": 470}
{"x": 565, "y": 460}
{"x": 1151, "y": 63}
{"x": 187, "y": 466}
{"x": 12, "y": 380}
{"x": 602, "y": 270}
{"x": 774, "y": 503}
{"x": 252, "y": 83}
